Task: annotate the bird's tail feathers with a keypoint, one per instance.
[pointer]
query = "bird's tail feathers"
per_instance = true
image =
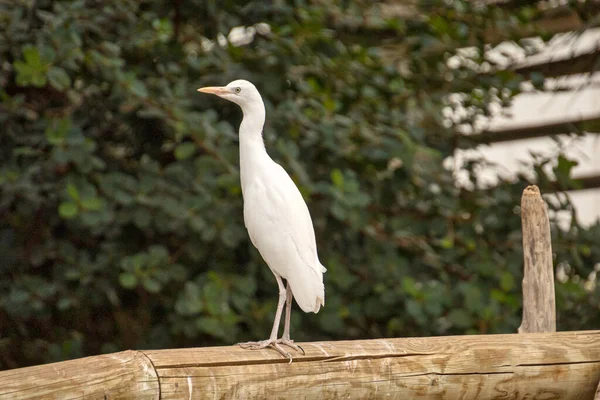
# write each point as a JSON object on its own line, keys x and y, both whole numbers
{"x": 308, "y": 291}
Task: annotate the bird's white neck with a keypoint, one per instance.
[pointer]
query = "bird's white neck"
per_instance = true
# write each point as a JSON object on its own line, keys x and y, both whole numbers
{"x": 252, "y": 146}
{"x": 253, "y": 122}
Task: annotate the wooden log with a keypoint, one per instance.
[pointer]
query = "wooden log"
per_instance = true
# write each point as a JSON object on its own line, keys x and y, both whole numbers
{"x": 563, "y": 365}
{"x": 539, "y": 306}
{"x": 124, "y": 375}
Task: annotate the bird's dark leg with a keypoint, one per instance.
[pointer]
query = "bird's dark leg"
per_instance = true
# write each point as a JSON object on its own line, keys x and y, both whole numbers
{"x": 272, "y": 341}
{"x": 285, "y": 339}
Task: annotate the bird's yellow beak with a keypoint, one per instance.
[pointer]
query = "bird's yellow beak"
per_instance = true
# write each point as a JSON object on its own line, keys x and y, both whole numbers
{"x": 218, "y": 90}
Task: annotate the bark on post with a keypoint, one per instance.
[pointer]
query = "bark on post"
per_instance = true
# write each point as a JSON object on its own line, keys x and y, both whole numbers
{"x": 539, "y": 306}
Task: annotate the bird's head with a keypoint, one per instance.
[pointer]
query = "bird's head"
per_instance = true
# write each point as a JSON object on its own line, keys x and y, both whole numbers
{"x": 241, "y": 92}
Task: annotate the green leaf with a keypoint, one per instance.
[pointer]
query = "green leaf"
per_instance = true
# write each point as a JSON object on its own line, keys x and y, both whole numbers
{"x": 173, "y": 207}
{"x": 410, "y": 286}
{"x": 197, "y": 223}
{"x": 210, "y": 325}
{"x": 507, "y": 281}
{"x": 31, "y": 71}
{"x": 190, "y": 301}
{"x": 138, "y": 88}
{"x": 447, "y": 242}
{"x": 338, "y": 211}
{"x": 58, "y": 78}
{"x": 142, "y": 218}
{"x": 152, "y": 112}
{"x": 158, "y": 253}
{"x": 92, "y": 203}
{"x": 415, "y": 310}
{"x": 73, "y": 192}
{"x": 151, "y": 285}
{"x": 537, "y": 79}
{"x": 185, "y": 150}
{"x": 231, "y": 235}
{"x": 460, "y": 318}
{"x": 128, "y": 280}
{"x": 56, "y": 131}
{"x": 26, "y": 151}
{"x": 31, "y": 55}
{"x": 565, "y": 166}
{"x": 64, "y": 303}
{"x": 337, "y": 178}
{"x": 68, "y": 210}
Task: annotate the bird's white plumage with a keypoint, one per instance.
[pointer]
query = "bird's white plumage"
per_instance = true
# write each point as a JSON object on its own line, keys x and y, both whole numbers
{"x": 279, "y": 225}
{"x": 275, "y": 214}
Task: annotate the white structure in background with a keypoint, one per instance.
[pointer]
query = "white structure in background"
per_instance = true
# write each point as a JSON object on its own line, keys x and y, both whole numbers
{"x": 534, "y": 108}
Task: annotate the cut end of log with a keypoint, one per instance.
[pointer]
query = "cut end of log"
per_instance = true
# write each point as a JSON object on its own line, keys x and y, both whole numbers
{"x": 532, "y": 190}
{"x": 533, "y": 204}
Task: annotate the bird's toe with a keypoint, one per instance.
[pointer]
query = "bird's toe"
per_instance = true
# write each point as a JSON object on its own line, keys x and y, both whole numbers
{"x": 281, "y": 351}
{"x": 263, "y": 344}
{"x": 255, "y": 345}
{"x": 290, "y": 343}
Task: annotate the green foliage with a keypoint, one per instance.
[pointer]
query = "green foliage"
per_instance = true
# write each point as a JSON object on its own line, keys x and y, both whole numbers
{"x": 120, "y": 207}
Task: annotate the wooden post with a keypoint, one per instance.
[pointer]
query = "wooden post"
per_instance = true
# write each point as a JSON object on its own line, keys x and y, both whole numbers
{"x": 560, "y": 365}
{"x": 124, "y": 375}
{"x": 539, "y": 306}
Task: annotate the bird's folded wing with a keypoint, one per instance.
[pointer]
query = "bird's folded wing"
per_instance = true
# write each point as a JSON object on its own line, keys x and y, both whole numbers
{"x": 285, "y": 208}
{"x": 298, "y": 221}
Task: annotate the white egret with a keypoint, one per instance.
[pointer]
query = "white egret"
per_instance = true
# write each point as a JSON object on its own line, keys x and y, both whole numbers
{"x": 276, "y": 217}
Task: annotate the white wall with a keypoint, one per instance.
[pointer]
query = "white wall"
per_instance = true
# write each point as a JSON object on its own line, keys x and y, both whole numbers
{"x": 534, "y": 108}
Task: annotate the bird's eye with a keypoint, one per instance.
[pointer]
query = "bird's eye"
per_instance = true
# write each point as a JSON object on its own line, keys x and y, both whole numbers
{"x": 238, "y": 89}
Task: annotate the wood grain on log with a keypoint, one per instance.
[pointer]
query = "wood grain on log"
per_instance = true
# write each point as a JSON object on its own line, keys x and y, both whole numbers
{"x": 561, "y": 365}
{"x": 124, "y": 375}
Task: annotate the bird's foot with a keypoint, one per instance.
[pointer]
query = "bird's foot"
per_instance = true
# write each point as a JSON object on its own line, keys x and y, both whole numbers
{"x": 290, "y": 343}
{"x": 263, "y": 344}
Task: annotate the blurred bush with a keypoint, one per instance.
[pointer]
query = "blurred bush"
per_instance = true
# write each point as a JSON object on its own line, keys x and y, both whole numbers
{"x": 120, "y": 206}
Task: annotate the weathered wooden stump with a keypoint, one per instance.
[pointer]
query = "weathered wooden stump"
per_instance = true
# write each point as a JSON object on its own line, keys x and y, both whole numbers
{"x": 539, "y": 307}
